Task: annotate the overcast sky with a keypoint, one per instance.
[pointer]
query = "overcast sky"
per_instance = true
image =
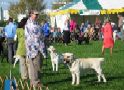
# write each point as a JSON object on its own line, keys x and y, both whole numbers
{"x": 5, "y": 3}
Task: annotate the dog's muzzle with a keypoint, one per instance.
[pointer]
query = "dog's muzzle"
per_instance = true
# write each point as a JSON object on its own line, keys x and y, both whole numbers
{"x": 66, "y": 61}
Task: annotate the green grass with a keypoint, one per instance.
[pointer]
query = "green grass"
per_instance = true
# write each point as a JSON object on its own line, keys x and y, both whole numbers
{"x": 113, "y": 68}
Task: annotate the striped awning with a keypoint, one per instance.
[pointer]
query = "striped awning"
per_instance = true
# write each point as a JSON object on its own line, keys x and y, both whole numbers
{"x": 91, "y": 7}
{"x": 92, "y": 4}
{"x": 111, "y": 4}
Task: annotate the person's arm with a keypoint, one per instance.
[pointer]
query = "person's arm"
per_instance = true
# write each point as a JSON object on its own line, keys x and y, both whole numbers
{"x": 111, "y": 30}
{"x": 14, "y": 30}
{"x": 5, "y": 32}
{"x": 16, "y": 36}
{"x": 102, "y": 29}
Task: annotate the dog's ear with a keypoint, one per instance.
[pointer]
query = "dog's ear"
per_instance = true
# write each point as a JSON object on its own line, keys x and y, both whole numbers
{"x": 63, "y": 54}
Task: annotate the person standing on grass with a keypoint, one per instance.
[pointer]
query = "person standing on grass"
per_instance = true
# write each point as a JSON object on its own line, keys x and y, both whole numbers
{"x": 45, "y": 29}
{"x": 34, "y": 48}
{"x": 21, "y": 50}
{"x": 10, "y": 31}
{"x": 2, "y": 38}
{"x": 108, "y": 41}
{"x": 120, "y": 25}
{"x": 66, "y": 32}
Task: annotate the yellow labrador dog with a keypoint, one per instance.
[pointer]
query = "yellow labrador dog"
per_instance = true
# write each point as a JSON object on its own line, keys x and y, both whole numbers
{"x": 75, "y": 66}
{"x": 55, "y": 58}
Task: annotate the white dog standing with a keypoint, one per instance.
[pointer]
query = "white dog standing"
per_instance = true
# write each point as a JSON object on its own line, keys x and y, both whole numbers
{"x": 55, "y": 58}
{"x": 75, "y": 67}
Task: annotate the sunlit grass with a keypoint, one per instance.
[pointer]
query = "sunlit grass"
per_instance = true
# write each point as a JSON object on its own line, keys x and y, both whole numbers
{"x": 113, "y": 68}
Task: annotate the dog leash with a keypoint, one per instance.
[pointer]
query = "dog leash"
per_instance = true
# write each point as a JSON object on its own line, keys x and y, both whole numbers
{"x": 68, "y": 66}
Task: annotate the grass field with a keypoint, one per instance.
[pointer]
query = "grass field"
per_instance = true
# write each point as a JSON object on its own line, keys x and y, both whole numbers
{"x": 113, "y": 68}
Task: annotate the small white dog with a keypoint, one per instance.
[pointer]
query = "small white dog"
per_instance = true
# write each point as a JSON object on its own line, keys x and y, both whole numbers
{"x": 55, "y": 58}
{"x": 114, "y": 35}
{"x": 17, "y": 58}
{"x": 75, "y": 67}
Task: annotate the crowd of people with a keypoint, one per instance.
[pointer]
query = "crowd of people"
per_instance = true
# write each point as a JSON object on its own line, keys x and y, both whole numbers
{"x": 32, "y": 40}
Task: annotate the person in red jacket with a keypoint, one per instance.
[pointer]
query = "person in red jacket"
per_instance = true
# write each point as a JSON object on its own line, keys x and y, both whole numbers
{"x": 108, "y": 41}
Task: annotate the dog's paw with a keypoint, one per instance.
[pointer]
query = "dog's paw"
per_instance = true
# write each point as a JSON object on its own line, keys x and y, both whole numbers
{"x": 72, "y": 83}
{"x": 75, "y": 84}
{"x": 105, "y": 81}
{"x": 98, "y": 81}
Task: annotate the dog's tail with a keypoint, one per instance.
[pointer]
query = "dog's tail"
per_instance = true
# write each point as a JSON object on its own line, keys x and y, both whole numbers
{"x": 101, "y": 59}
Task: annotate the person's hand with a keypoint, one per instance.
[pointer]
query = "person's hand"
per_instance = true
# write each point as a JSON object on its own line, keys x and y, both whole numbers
{"x": 5, "y": 40}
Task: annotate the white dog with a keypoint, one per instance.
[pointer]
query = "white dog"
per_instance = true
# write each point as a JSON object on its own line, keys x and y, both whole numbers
{"x": 114, "y": 35}
{"x": 75, "y": 67}
{"x": 55, "y": 58}
{"x": 17, "y": 58}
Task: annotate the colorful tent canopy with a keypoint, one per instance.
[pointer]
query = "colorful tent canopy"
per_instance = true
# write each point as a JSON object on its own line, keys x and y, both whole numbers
{"x": 69, "y": 5}
{"x": 111, "y": 4}
{"x": 85, "y": 9}
{"x": 91, "y": 7}
{"x": 66, "y": 6}
{"x": 92, "y": 4}
{"x": 78, "y": 6}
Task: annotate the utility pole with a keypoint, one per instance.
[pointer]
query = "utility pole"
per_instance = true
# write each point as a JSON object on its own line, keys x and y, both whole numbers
{"x": 1, "y": 10}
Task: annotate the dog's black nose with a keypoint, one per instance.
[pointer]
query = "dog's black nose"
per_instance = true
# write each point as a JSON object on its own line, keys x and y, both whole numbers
{"x": 67, "y": 61}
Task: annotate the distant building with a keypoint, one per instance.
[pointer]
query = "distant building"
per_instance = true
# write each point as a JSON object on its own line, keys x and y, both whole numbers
{"x": 4, "y": 14}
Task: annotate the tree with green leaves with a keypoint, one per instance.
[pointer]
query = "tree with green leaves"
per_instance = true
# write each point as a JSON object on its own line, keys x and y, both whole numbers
{"x": 24, "y": 6}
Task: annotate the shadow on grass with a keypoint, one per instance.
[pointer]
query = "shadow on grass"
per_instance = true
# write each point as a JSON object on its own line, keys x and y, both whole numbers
{"x": 93, "y": 81}
{"x": 68, "y": 79}
{"x": 55, "y": 73}
{"x": 60, "y": 81}
{"x": 112, "y": 78}
{"x": 117, "y": 51}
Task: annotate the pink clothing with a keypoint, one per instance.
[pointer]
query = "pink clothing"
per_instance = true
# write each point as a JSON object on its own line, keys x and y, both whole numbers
{"x": 108, "y": 41}
{"x": 72, "y": 25}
